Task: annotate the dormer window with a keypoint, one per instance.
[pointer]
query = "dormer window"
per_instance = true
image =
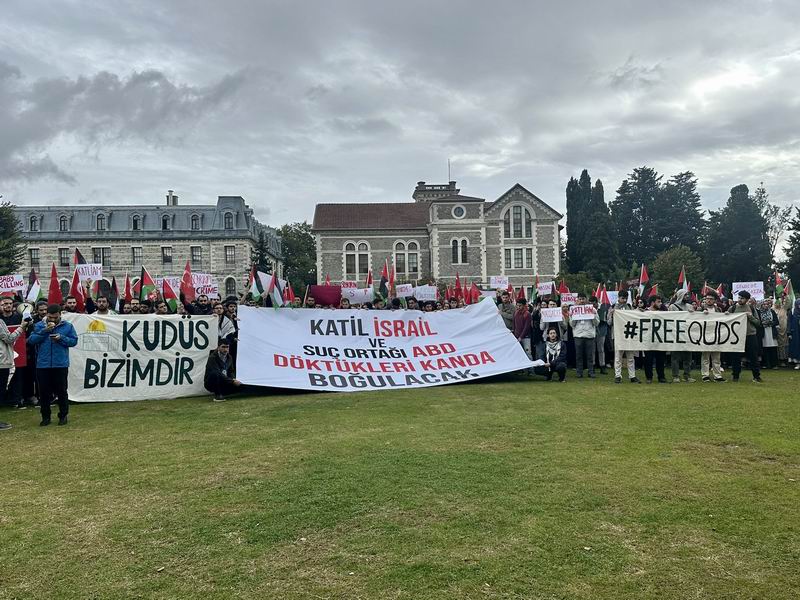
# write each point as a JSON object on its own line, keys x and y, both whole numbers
{"x": 101, "y": 222}
{"x": 228, "y": 221}
{"x": 63, "y": 223}
{"x": 34, "y": 223}
{"x": 195, "y": 223}
{"x": 136, "y": 223}
{"x": 165, "y": 223}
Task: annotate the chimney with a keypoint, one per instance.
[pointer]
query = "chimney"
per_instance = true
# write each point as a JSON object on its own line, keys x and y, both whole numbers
{"x": 172, "y": 199}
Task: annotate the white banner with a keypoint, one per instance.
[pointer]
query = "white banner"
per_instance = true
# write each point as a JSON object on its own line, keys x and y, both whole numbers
{"x": 149, "y": 357}
{"x": 582, "y": 312}
{"x": 174, "y": 282}
{"x": 89, "y": 272}
{"x": 355, "y": 350}
{"x": 569, "y": 298}
{"x": 425, "y": 292}
{"x": 498, "y": 282}
{"x": 756, "y": 289}
{"x": 357, "y": 295}
{"x": 545, "y": 288}
{"x": 613, "y": 296}
{"x": 552, "y": 315}
{"x": 679, "y": 331}
{"x": 11, "y": 283}
{"x": 404, "y": 290}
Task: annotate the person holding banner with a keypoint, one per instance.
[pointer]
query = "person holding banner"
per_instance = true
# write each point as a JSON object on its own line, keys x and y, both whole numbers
{"x": 7, "y": 340}
{"x": 54, "y": 338}
{"x": 522, "y": 326}
{"x": 583, "y": 332}
{"x": 71, "y": 304}
{"x": 745, "y": 305}
{"x": 680, "y": 304}
{"x": 659, "y": 357}
{"x": 220, "y": 376}
{"x": 710, "y": 358}
{"x": 554, "y": 354}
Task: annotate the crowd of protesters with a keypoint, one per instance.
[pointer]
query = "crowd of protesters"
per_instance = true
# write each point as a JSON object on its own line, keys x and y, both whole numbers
{"x": 587, "y": 346}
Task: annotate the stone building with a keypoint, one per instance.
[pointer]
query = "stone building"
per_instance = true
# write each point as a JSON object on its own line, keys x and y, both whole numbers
{"x": 439, "y": 234}
{"x": 216, "y": 239}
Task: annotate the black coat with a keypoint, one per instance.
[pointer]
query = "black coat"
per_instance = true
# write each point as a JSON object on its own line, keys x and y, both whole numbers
{"x": 219, "y": 368}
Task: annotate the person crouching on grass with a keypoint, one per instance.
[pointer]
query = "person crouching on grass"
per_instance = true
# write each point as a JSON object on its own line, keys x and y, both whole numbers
{"x": 554, "y": 354}
{"x": 54, "y": 338}
{"x": 220, "y": 377}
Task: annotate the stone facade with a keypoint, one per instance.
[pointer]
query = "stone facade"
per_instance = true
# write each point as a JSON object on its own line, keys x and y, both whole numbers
{"x": 216, "y": 239}
{"x": 516, "y": 235}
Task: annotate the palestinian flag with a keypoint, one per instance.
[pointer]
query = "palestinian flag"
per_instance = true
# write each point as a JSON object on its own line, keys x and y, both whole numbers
{"x": 147, "y": 286}
{"x": 79, "y": 260}
{"x": 720, "y": 290}
{"x": 35, "y": 292}
{"x": 644, "y": 278}
{"x": 789, "y": 293}
{"x": 54, "y": 295}
{"x": 704, "y": 289}
{"x": 256, "y": 287}
{"x": 187, "y": 286}
{"x": 683, "y": 283}
{"x": 77, "y": 291}
{"x": 169, "y": 295}
{"x": 383, "y": 286}
{"x": 368, "y": 280}
{"x": 534, "y": 291}
{"x": 653, "y": 291}
{"x": 290, "y": 297}
{"x": 274, "y": 292}
{"x": 391, "y": 279}
{"x": 115, "y": 294}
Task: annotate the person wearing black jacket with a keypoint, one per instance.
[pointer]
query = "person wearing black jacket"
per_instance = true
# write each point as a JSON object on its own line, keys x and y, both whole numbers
{"x": 201, "y": 307}
{"x": 554, "y": 354}
{"x": 220, "y": 377}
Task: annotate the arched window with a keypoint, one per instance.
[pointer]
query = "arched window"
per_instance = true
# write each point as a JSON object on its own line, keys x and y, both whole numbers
{"x": 406, "y": 258}
{"x": 517, "y": 222}
{"x": 136, "y": 223}
{"x": 400, "y": 257}
{"x": 228, "y": 220}
{"x": 413, "y": 258}
{"x": 230, "y": 287}
{"x": 101, "y": 222}
{"x": 34, "y": 222}
{"x": 195, "y": 223}
{"x": 65, "y": 286}
{"x": 165, "y": 223}
{"x": 63, "y": 224}
{"x": 356, "y": 260}
{"x": 459, "y": 251}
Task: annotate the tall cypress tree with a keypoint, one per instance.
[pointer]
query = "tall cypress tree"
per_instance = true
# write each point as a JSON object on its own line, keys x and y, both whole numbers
{"x": 601, "y": 256}
{"x": 737, "y": 246}
{"x": 633, "y": 213}
{"x": 574, "y": 263}
{"x": 681, "y": 221}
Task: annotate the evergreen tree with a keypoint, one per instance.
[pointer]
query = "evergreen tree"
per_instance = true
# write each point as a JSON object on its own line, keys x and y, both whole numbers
{"x": 666, "y": 268}
{"x": 260, "y": 255}
{"x": 681, "y": 221}
{"x": 299, "y": 254}
{"x": 737, "y": 245}
{"x": 599, "y": 243}
{"x": 777, "y": 218}
{"x": 572, "y": 252}
{"x": 791, "y": 266}
{"x": 633, "y": 213}
{"x": 12, "y": 247}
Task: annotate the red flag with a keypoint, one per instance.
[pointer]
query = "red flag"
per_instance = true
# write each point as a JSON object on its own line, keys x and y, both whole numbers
{"x": 187, "y": 287}
{"x": 604, "y": 299}
{"x": 368, "y": 281}
{"x": 326, "y": 295}
{"x": 510, "y": 288}
{"x": 289, "y": 292}
{"x": 448, "y": 293}
{"x": 598, "y": 291}
{"x": 704, "y": 290}
{"x": 778, "y": 280}
{"x": 521, "y": 293}
{"x": 475, "y": 293}
{"x": 682, "y": 276}
{"x": 562, "y": 288}
{"x": 720, "y": 290}
{"x": 327, "y": 279}
{"x": 391, "y": 279}
{"x": 458, "y": 291}
{"x": 467, "y": 295}
{"x": 79, "y": 260}
{"x": 54, "y": 295}
{"x": 128, "y": 294}
{"x": 643, "y": 276}
{"x": 653, "y": 291}
{"x": 76, "y": 291}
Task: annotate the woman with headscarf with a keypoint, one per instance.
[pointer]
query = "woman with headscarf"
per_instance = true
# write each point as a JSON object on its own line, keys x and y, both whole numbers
{"x": 783, "y": 330}
{"x": 794, "y": 335}
{"x": 769, "y": 336}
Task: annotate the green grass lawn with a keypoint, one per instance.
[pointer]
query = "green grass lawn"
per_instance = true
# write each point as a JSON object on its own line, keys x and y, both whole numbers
{"x": 508, "y": 489}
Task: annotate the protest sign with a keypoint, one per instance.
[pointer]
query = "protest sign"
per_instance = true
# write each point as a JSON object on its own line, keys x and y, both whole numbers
{"x": 349, "y": 284}
{"x": 357, "y": 295}
{"x": 545, "y": 288}
{"x": 424, "y": 293}
{"x": 11, "y": 283}
{"x": 552, "y": 315}
{"x": 404, "y": 290}
{"x": 489, "y": 294}
{"x": 679, "y": 331}
{"x": 756, "y": 289}
{"x": 89, "y": 272}
{"x": 325, "y": 295}
{"x": 582, "y": 312}
{"x": 147, "y": 358}
{"x": 211, "y": 290}
{"x": 569, "y": 298}
{"x": 363, "y": 350}
{"x": 174, "y": 282}
{"x": 498, "y": 282}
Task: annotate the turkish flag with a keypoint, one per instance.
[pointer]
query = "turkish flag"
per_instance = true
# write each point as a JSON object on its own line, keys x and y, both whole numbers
{"x": 20, "y": 348}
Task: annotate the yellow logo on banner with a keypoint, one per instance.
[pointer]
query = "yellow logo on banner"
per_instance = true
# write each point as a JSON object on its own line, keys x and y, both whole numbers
{"x": 96, "y": 327}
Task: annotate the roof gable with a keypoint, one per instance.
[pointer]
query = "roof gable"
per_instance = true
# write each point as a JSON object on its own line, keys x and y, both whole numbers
{"x": 517, "y": 192}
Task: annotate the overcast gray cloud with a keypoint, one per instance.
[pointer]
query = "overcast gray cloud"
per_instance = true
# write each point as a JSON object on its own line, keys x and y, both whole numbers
{"x": 290, "y": 104}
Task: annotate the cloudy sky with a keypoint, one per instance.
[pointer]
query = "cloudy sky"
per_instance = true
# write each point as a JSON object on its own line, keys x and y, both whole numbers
{"x": 293, "y": 103}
